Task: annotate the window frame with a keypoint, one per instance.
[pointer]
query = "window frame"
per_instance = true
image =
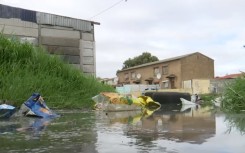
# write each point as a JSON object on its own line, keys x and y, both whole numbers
{"x": 133, "y": 77}
{"x": 126, "y": 76}
{"x": 165, "y": 70}
{"x": 154, "y": 71}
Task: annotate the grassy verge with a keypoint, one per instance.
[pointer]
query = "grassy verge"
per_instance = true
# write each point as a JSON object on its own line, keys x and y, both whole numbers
{"x": 25, "y": 69}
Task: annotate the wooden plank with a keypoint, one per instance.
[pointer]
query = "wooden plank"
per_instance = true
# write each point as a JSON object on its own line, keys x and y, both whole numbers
{"x": 66, "y": 42}
{"x": 60, "y": 50}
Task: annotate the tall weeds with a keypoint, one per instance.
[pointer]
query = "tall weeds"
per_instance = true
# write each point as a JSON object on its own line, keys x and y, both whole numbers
{"x": 234, "y": 96}
{"x": 25, "y": 69}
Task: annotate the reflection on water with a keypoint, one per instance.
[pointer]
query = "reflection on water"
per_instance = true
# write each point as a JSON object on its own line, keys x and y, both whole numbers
{"x": 236, "y": 121}
{"x": 171, "y": 129}
{"x": 35, "y": 127}
{"x": 194, "y": 126}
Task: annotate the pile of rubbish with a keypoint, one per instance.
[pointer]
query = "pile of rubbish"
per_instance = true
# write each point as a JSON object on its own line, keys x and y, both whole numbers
{"x": 110, "y": 102}
{"x": 35, "y": 106}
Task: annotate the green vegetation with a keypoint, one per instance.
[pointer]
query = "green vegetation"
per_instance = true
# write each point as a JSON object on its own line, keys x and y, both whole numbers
{"x": 25, "y": 69}
{"x": 233, "y": 98}
{"x": 138, "y": 60}
{"x": 234, "y": 94}
{"x": 208, "y": 98}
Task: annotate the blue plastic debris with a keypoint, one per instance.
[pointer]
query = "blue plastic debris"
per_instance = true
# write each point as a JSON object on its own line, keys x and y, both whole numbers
{"x": 36, "y": 106}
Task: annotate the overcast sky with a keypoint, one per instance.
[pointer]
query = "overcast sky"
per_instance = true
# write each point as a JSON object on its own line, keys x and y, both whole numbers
{"x": 165, "y": 28}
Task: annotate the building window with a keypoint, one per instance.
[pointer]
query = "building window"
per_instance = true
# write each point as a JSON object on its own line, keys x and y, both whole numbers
{"x": 126, "y": 76}
{"x": 165, "y": 70}
{"x": 133, "y": 75}
{"x": 156, "y": 71}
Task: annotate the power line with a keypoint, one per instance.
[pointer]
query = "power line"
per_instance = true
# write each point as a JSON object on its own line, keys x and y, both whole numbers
{"x": 107, "y": 9}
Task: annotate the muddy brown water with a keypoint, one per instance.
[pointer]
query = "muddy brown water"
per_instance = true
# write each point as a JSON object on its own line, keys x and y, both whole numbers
{"x": 190, "y": 130}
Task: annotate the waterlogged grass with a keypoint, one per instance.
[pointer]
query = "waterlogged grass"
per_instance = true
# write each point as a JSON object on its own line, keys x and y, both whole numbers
{"x": 25, "y": 69}
{"x": 234, "y": 96}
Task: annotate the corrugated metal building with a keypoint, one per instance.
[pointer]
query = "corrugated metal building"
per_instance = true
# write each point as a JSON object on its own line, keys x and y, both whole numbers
{"x": 72, "y": 39}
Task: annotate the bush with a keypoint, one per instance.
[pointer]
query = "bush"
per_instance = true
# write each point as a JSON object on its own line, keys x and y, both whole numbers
{"x": 234, "y": 96}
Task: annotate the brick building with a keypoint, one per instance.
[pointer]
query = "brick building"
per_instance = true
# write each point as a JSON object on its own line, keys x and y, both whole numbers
{"x": 169, "y": 73}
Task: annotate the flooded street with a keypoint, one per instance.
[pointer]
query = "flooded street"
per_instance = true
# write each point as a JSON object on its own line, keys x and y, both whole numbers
{"x": 188, "y": 130}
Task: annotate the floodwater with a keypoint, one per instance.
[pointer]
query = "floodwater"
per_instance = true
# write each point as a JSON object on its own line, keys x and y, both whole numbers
{"x": 193, "y": 130}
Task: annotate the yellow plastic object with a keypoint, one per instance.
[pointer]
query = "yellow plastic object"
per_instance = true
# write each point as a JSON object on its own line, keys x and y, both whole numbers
{"x": 146, "y": 113}
{"x": 143, "y": 100}
{"x": 110, "y": 101}
{"x": 115, "y": 98}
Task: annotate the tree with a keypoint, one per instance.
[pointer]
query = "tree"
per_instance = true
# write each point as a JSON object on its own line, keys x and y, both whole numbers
{"x": 138, "y": 60}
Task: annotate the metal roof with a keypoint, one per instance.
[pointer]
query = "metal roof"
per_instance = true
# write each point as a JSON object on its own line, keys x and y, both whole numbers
{"x": 230, "y": 76}
{"x": 45, "y": 18}
{"x": 13, "y": 12}
{"x": 56, "y": 20}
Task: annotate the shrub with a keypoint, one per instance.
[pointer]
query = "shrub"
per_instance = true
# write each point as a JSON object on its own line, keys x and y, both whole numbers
{"x": 234, "y": 96}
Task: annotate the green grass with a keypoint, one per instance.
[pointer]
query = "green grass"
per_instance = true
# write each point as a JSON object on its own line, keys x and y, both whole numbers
{"x": 25, "y": 69}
